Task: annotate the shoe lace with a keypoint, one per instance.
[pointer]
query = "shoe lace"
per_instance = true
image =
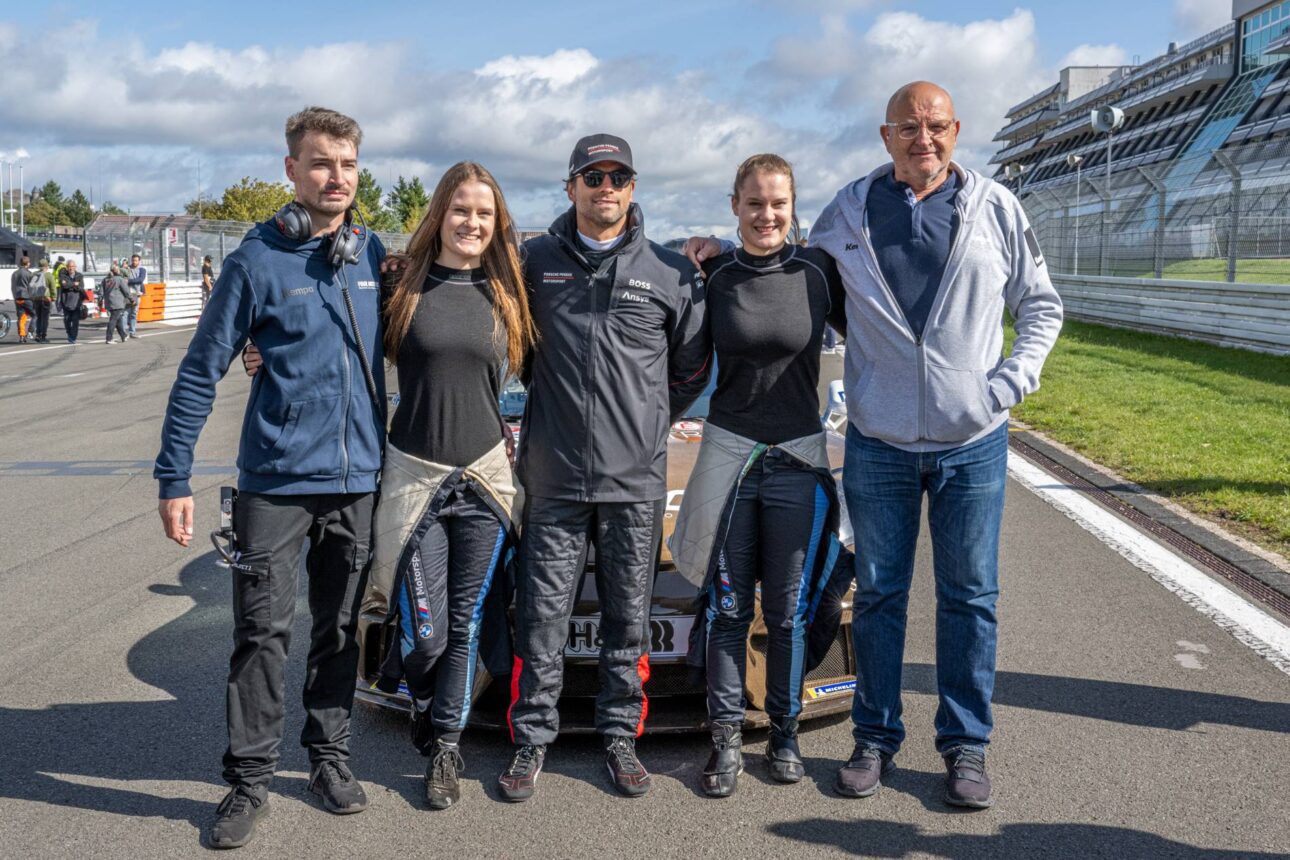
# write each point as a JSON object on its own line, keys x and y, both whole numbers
{"x": 523, "y": 762}
{"x": 447, "y": 763}
{"x": 624, "y": 752}
{"x": 968, "y": 759}
{"x": 865, "y": 754}
{"x": 237, "y": 802}
{"x": 333, "y": 773}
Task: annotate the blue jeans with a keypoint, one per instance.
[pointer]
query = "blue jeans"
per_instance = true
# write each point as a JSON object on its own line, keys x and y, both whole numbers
{"x": 132, "y": 318}
{"x": 884, "y": 489}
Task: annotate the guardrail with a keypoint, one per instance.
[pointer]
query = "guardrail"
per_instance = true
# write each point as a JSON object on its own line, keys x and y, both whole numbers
{"x": 1249, "y": 316}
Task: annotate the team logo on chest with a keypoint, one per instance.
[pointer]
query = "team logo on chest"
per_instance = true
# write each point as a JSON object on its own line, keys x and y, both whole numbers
{"x": 557, "y": 277}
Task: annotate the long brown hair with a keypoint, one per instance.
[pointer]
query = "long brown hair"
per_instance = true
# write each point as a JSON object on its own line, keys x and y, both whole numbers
{"x": 769, "y": 162}
{"x": 501, "y": 263}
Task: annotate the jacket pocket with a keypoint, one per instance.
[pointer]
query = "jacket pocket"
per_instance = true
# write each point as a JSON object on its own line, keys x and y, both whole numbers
{"x": 958, "y": 403}
{"x": 308, "y": 443}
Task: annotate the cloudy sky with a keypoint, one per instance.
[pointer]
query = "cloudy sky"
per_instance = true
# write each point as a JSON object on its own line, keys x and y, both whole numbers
{"x": 129, "y": 98}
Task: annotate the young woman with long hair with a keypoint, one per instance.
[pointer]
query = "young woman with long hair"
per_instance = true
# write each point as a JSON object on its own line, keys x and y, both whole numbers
{"x": 455, "y": 324}
{"x": 760, "y": 505}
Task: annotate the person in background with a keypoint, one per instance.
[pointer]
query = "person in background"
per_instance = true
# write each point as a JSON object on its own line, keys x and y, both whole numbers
{"x": 208, "y": 280}
{"x": 20, "y": 283}
{"x": 115, "y": 293}
{"x": 137, "y": 277}
{"x": 42, "y": 303}
{"x": 71, "y": 298}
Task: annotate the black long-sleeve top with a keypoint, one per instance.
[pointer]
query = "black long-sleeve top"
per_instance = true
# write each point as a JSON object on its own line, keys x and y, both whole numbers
{"x": 450, "y": 371}
{"x": 767, "y": 317}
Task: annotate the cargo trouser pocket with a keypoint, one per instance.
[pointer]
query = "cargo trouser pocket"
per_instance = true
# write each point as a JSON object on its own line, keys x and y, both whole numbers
{"x": 252, "y": 592}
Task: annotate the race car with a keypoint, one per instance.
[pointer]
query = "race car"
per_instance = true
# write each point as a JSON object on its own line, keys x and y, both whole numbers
{"x": 677, "y": 702}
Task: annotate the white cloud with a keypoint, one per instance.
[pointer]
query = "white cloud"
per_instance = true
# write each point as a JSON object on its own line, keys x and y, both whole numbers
{"x": 1194, "y": 18}
{"x": 1094, "y": 55}
{"x": 144, "y": 121}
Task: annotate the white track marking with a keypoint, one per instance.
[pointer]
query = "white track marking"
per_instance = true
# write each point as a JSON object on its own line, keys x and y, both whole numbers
{"x": 95, "y": 342}
{"x": 1266, "y": 635}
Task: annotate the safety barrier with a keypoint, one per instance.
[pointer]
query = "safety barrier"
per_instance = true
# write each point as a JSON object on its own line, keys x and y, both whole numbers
{"x": 1249, "y": 316}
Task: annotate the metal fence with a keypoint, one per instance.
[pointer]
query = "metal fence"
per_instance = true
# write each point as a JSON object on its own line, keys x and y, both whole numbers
{"x": 172, "y": 247}
{"x": 1220, "y": 216}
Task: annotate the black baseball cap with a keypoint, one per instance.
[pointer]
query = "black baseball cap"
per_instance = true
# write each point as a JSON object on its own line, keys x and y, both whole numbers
{"x": 599, "y": 147}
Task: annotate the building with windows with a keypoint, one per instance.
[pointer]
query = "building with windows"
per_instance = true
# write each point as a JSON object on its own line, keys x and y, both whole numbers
{"x": 1199, "y": 169}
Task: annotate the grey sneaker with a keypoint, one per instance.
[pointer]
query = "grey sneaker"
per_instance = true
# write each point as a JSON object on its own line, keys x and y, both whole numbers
{"x": 862, "y": 775}
{"x": 966, "y": 782}
{"x": 340, "y": 792}
{"x": 235, "y": 817}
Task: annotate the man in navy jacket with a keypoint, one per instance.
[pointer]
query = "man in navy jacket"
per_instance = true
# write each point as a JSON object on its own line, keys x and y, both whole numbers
{"x": 308, "y": 464}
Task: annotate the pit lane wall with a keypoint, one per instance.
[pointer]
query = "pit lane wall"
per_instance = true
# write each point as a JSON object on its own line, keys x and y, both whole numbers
{"x": 1248, "y": 316}
{"x": 168, "y": 301}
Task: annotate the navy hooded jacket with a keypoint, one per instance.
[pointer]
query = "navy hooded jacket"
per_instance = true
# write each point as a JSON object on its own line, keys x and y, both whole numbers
{"x": 310, "y": 424}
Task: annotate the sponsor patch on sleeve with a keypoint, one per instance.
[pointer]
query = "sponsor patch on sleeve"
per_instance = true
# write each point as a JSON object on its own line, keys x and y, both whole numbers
{"x": 1033, "y": 244}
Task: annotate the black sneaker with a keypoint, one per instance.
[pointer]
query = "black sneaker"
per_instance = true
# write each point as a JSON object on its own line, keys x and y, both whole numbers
{"x": 625, "y": 769}
{"x": 340, "y": 792}
{"x": 862, "y": 775}
{"x": 520, "y": 777}
{"x": 442, "y": 787}
{"x": 966, "y": 782}
{"x": 720, "y": 774}
{"x": 235, "y": 817}
{"x": 782, "y": 753}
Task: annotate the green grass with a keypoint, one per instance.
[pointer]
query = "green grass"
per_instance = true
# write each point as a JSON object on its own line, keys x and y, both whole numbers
{"x": 1206, "y": 426}
{"x": 1247, "y": 271}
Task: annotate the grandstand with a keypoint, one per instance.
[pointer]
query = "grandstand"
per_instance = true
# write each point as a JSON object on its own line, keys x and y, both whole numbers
{"x": 1199, "y": 171}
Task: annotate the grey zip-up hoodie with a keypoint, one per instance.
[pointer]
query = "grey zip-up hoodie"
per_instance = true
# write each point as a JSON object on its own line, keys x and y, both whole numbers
{"x": 953, "y": 385}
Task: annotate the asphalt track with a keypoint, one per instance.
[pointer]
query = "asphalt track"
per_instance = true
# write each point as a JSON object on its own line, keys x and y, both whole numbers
{"x": 1129, "y": 724}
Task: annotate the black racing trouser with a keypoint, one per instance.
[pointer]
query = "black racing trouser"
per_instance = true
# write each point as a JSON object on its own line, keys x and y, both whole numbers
{"x": 553, "y": 543}
{"x": 776, "y": 531}
{"x": 271, "y": 530}
{"x": 441, "y": 605}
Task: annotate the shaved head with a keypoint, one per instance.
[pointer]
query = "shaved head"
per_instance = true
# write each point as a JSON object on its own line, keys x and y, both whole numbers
{"x": 916, "y": 93}
{"x": 920, "y": 133}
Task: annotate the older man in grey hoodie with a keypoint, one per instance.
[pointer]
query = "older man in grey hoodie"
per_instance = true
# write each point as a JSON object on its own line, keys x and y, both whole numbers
{"x": 931, "y": 254}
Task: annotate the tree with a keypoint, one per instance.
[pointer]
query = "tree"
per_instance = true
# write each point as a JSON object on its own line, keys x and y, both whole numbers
{"x": 409, "y": 202}
{"x": 51, "y": 193}
{"x": 110, "y": 208}
{"x": 77, "y": 209}
{"x": 249, "y": 200}
{"x": 368, "y": 200}
{"x": 41, "y": 214}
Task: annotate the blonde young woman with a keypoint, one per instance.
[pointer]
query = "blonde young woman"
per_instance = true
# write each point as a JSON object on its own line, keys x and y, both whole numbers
{"x": 760, "y": 509}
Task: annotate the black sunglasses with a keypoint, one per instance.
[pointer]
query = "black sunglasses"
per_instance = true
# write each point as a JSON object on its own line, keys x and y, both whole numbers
{"x": 619, "y": 178}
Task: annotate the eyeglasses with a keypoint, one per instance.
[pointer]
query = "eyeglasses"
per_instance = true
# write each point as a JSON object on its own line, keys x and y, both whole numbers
{"x": 910, "y": 130}
{"x": 619, "y": 178}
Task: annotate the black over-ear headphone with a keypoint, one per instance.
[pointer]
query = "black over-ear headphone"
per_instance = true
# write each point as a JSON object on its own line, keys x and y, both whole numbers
{"x": 347, "y": 243}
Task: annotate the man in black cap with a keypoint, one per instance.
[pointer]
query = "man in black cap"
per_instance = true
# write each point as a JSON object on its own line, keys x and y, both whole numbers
{"x": 622, "y": 352}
